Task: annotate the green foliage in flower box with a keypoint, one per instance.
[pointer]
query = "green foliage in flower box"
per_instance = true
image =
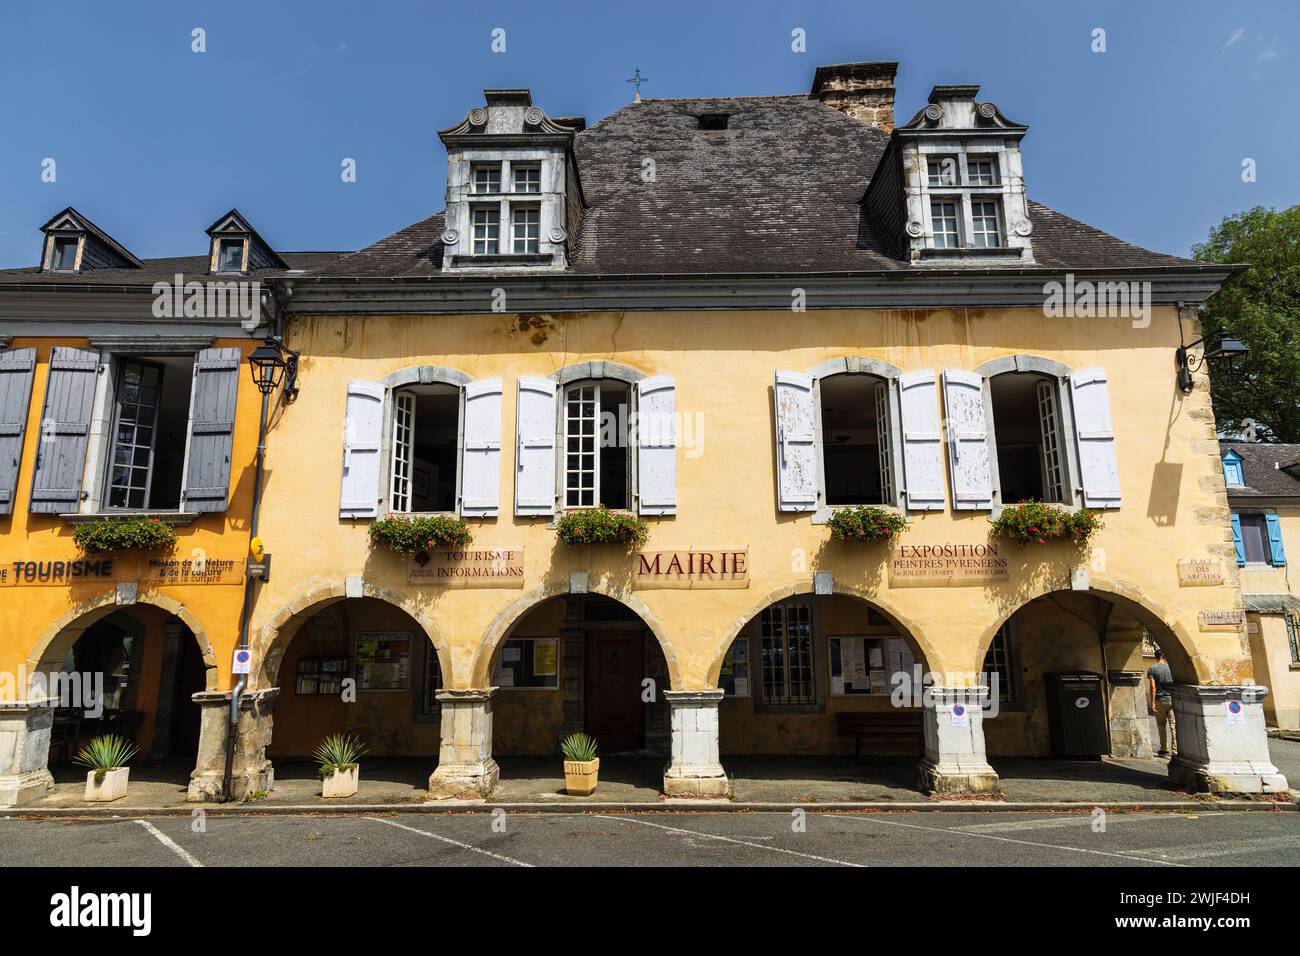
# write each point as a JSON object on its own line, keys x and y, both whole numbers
{"x": 601, "y": 526}
{"x": 1037, "y": 522}
{"x": 865, "y": 523}
{"x": 406, "y": 535}
{"x": 134, "y": 533}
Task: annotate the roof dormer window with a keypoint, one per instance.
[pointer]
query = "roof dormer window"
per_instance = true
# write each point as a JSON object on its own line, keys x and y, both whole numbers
{"x": 942, "y": 171}
{"x": 981, "y": 171}
{"x": 487, "y": 230}
{"x": 64, "y": 255}
{"x": 230, "y": 255}
{"x": 528, "y": 178}
{"x": 487, "y": 178}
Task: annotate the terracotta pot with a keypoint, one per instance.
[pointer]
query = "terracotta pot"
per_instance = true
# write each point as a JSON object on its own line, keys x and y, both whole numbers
{"x": 580, "y": 776}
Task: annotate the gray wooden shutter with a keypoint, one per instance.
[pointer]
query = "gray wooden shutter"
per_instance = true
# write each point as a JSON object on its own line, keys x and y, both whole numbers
{"x": 969, "y": 457}
{"x": 480, "y": 481}
{"x": 17, "y": 369}
{"x": 65, "y": 429}
{"x": 212, "y": 430}
{"x": 535, "y": 423}
{"x": 363, "y": 427}
{"x": 656, "y": 436}
{"x": 796, "y": 442}
{"x": 1095, "y": 438}
{"x": 921, "y": 440}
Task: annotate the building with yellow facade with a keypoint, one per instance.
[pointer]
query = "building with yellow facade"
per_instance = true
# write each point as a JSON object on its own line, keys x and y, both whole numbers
{"x": 734, "y": 320}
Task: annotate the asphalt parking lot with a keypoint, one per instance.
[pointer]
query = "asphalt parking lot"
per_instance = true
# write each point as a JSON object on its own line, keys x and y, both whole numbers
{"x": 988, "y": 838}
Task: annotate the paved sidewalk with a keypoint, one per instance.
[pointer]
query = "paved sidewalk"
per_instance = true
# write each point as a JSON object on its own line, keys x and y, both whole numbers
{"x": 634, "y": 781}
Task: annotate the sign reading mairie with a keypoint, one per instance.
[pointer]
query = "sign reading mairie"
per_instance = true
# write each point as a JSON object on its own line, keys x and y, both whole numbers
{"x": 726, "y": 568}
{"x": 467, "y": 567}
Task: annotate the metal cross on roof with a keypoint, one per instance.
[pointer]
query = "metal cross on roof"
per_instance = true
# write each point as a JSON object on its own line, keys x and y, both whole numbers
{"x": 636, "y": 80}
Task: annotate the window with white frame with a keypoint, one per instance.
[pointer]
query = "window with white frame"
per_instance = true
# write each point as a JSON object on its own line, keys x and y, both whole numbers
{"x": 230, "y": 255}
{"x": 146, "y": 454}
{"x": 527, "y": 177}
{"x": 487, "y": 178}
{"x": 425, "y": 452}
{"x": 1029, "y": 436}
{"x": 64, "y": 258}
{"x": 787, "y": 672}
{"x": 525, "y": 228}
{"x": 856, "y": 457}
{"x": 998, "y": 664}
{"x": 981, "y": 171}
{"x": 942, "y": 171}
{"x": 487, "y": 230}
{"x": 945, "y": 223}
{"x": 986, "y": 229}
{"x": 597, "y": 454}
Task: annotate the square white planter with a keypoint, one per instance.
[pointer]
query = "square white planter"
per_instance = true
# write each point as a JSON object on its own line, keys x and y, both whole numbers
{"x": 113, "y": 787}
{"x": 341, "y": 783}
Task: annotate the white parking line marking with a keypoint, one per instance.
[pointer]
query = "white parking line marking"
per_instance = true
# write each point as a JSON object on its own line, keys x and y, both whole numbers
{"x": 1200, "y": 851}
{"x": 714, "y": 836}
{"x": 463, "y": 846}
{"x": 1076, "y": 820}
{"x": 990, "y": 836}
{"x": 170, "y": 844}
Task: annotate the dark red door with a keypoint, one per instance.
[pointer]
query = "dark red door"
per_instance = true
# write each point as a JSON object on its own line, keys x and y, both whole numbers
{"x": 615, "y": 713}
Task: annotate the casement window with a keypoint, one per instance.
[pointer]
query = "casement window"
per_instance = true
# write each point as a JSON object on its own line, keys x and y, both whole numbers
{"x": 64, "y": 256}
{"x": 945, "y": 224}
{"x": 942, "y": 171}
{"x": 487, "y": 230}
{"x": 1293, "y": 634}
{"x": 785, "y": 653}
{"x": 527, "y": 178}
{"x": 487, "y": 178}
{"x": 425, "y": 440}
{"x": 525, "y": 229}
{"x": 596, "y": 441}
{"x": 998, "y": 663}
{"x": 1257, "y": 537}
{"x": 230, "y": 255}
{"x": 169, "y": 438}
{"x": 424, "y": 473}
{"x": 986, "y": 228}
{"x": 1028, "y": 434}
{"x": 17, "y": 373}
{"x": 981, "y": 171}
{"x": 1233, "y": 474}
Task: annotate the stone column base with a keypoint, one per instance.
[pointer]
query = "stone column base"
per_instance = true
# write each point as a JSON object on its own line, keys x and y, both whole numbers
{"x": 1130, "y": 724}
{"x": 954, "y": 743}
{"x": 695, "y": 770}
{"x": 251, "y": 772}
{"x": 465, "y": 764}
{"x": 24, "y": 751}
{"x": 1222, "y": 741}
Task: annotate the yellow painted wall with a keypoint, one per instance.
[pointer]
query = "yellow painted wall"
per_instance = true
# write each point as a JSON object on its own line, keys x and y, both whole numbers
{"x": 1174, "y": 496}
{"x": 1270, "y": 647}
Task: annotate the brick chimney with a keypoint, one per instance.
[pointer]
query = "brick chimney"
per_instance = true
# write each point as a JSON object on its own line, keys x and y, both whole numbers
{"x": 864, "y": 91}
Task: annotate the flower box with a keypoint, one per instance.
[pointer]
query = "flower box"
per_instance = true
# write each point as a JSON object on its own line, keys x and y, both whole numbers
{"x": 410, "y": 535}
{"x": 866, "y": 523}
{"x": 1036, "y": 522}
{"x": 601, "y": 526}
{"x": 133, "y": 533}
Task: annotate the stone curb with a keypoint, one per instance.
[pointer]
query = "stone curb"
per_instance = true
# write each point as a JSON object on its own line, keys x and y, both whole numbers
{"x": 665, "y": 806}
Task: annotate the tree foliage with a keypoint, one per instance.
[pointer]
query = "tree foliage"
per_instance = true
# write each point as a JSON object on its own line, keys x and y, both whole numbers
{"x": 1262, "y": 308}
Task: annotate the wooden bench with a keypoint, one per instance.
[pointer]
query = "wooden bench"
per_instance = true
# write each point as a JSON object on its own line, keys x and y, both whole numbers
{"x": 881, "y": 723}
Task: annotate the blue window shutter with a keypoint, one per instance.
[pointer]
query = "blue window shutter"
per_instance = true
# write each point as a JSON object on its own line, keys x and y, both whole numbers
{"x": 17, "y": 369}
{"x": 212, "y": 429}
{"x": 1275, "y": 540}
{"x": 65, "y": 430}
{"x": 1237, "y": 542}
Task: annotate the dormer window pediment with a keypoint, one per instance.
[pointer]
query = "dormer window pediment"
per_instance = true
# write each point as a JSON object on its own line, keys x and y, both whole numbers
{"x": 72, "y": 243}
{"x": 237, "y": 249}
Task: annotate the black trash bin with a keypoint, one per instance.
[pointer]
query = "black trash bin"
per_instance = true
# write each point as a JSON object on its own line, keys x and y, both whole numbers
{"x": 1076, "y": 713}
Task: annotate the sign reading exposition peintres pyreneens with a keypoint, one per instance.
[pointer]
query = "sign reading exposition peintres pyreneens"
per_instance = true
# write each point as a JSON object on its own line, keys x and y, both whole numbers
{"x": 727, "y": 568}
{"x": 467, "y": 567}
{"x": 937, "y": 565}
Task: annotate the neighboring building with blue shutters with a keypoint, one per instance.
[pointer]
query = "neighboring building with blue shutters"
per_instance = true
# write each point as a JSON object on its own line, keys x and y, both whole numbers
{"x": 1264, "y": 493}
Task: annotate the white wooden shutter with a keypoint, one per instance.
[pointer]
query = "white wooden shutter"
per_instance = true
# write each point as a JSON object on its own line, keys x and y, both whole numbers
{"x": 363, "y": 428}
{"x": 17, "y": 369}
{"x": 656, "y": 439}
{"x": 1095, "y": 438}
{"x": 65, "y": 430}
{"x": 211, "y": 429}
{"x": 968, "y": 440}
{"x": 796, "y": 442}
{"x": 480, "y": 483}
{"x": 918, "y": 412}
{"x": 535, "y": 446}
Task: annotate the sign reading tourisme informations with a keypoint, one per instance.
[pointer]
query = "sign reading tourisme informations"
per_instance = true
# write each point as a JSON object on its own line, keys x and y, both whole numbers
{"x": 467, "y": 568}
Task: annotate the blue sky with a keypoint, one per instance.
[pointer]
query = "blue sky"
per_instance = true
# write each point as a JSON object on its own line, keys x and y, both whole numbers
{"x": 153, "y": 141}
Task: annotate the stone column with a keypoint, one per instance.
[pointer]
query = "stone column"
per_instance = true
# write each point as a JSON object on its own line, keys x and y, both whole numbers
{"x": 1222, "y": 741}
{"x": 25, "y": 750}
{"x": 954, "y": 743}
{"x": 1130, "y": 724}
{"x": 251, "y": 771}
{"x": 465, "y": 764}
{"x": 695, "y": 769}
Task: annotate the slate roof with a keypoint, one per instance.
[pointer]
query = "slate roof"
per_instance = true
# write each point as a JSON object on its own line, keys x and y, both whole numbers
{"x": 1261, "y": 468}
{"x": 156, "y": 270}
{"x": 777, "y": 191}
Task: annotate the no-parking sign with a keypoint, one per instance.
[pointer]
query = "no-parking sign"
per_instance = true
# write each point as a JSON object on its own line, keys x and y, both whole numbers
{"x": 1236, "y": 713}
{"x": 959, "y": 716}
{"x": 243, "y": 661}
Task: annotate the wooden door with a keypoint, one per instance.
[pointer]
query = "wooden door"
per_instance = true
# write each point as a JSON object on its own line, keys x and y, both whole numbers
{"x": 615, "y": 669}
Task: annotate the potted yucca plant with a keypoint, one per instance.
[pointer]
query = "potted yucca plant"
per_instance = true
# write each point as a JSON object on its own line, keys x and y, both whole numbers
{"x": 581, "y": 765}
{"x": 338, "y": 755}
{"x": 107, "y": 758}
